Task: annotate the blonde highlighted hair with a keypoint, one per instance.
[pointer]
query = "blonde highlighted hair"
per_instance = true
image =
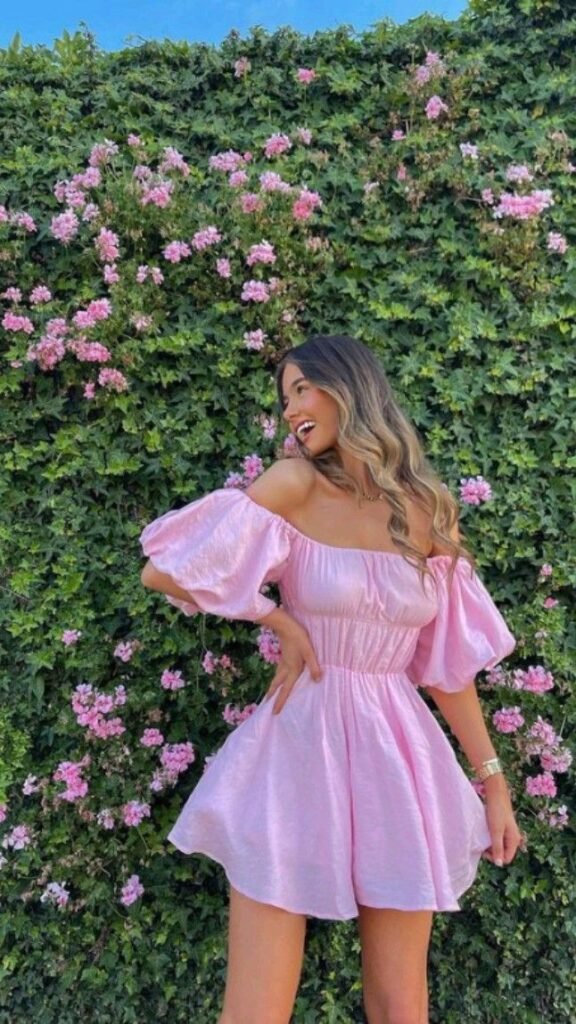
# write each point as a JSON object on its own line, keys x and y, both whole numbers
{"x": 374, "y": 429}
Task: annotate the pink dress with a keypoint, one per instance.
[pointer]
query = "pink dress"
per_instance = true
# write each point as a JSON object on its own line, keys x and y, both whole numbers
{"x": 353, "y": 793}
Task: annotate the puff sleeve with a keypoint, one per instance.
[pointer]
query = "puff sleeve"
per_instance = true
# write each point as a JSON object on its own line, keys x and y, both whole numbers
{"x": 220, "y": 548}
{"x": 467, "y": 634}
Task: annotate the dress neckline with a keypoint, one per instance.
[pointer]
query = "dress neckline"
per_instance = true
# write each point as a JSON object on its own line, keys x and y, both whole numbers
{"x": 321, "y": 543}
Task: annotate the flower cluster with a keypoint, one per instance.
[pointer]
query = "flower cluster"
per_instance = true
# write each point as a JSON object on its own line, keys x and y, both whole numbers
{"x": 70, "y": 772}
{"x": 234, "y": 715}
{"x": 269, "y": 646}
{"x": 91, "y": 708}
{"x": 475, "y": 490}
{"x": 252, "y": 468}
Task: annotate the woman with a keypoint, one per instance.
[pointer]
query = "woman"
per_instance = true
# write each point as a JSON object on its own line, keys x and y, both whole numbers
{"x": 341, "y": 795}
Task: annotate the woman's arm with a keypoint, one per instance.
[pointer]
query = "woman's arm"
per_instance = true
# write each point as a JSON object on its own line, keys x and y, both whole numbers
{"x": 463, "y": 713}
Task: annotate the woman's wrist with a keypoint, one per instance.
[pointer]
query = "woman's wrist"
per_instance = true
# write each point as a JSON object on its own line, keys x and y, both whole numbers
{"x": 280, "y": 622}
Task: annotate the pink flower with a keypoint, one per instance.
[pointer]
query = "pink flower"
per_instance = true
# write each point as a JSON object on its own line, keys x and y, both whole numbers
{"x": 131, "y": 891}
{"x": 398, "y": 134}
{"x": 241, "y": 67}
{"x": 209, "y": 663}
{"x": 70, "y": 772}
{"x": 541, "y": 734}
{"x": 550, "y": 602}
{"x": 269, "y": 646}
{"x": 158, "y": 195}
{"x": 12, "y": 294}
{"x": 207, "y": 236}
{"x": 173, "y": 161}
{"x": 176, "y": 758}
{"x": 174, "y": 252}
{"x": 250, "y": 202}
{"x": 541, "y": 785}
{"x": 546, "y": 569}
{"x": 107, "y": 245}
{"x": 56, "y": 892}
{"x": 304, "y": 135}
{"x": 487, "y": 196}
{"x": 39, "y": 295}
{"x": 114, "y": 380}
{"x": 401, "y": 173}
{"x": 508, "y": 719}
{"x": 262, "y": 252}
{"x": 11, "y": 322}
{"x": 253, "y": 467}
{"x": 237, "y": 179}
{"x": 111, "y": 275}
{"x": 223, "y": 268}
{"x": 254, "y": 340}
{"x": 255, "y": 291}
{"x": 269, "y": 426}
{"x": 134, "y": 140}
{"x": 23, "y": 220}
{"x": 556, "y": 242}
{"x": 3, "y": 812}
{"x": 435, "y": 107}
{"x": 17, "y": 838}
{"x": 172, "y": 679}
{"x": 523, "y": 207}
{"x": 556, "y": 760}
{"x": 101, "y": 153}
{"x": 475, "y": 490}
{"x": 105, "y": 818}
{"x": 134, "y": 812}
{"x": 228, "y": 161}
{"x": 467, "y": 149}
{"x": 305, "y": 75}
{"x": 305, "y": 204}
{"x": 71, "y": 637}
{"x": 535, "y": 679}
{"x": 518, "y": 172}
{"x": 65, "y": 226}
{"x": 276, "y": 145}
{"x": 233, "y": 715}
{"x": 270, "y": 181}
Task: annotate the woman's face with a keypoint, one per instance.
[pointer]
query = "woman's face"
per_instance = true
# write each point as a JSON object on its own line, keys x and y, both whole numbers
{"x": 304, "y": 403}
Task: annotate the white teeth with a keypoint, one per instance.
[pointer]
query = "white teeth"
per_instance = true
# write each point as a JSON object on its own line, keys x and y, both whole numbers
{"x": 303, "y": 426}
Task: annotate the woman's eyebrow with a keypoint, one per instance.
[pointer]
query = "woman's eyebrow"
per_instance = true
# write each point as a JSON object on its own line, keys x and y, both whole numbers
{"x": 293, "y": 385}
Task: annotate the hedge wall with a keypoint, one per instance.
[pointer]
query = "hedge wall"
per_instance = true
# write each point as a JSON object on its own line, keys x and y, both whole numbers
{"x": 417, "y": 191}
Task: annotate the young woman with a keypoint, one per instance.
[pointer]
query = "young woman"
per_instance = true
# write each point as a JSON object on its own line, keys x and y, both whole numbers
{"x": 341, "y": 796}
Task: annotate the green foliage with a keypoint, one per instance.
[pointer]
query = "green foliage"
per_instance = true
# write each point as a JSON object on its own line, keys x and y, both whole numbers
{"x": 473, "y": 318}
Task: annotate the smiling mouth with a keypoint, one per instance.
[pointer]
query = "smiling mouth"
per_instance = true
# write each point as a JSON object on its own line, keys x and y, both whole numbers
{"x": 303, "y": 432}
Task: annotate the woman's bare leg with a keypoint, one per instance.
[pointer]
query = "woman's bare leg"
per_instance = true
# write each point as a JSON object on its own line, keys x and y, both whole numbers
{"x": 394, "y": 964}
{"x": 265, "y": 954}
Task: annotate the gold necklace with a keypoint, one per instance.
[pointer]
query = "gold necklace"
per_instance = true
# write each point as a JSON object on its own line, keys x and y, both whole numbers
{"x": 373, "y": 497}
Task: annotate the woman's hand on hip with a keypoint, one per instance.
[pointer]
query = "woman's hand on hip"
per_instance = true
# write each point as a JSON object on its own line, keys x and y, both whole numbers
{"x": 296, "y": 652}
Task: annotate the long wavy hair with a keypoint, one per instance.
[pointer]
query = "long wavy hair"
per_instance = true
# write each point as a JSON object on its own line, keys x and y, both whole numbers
{"x": 373, "y": 427}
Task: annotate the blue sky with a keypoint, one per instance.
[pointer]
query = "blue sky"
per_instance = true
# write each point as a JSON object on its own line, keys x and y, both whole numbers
{"x": 120, "y": 23}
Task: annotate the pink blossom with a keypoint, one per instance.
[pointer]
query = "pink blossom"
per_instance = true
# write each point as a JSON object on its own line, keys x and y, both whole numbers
{"x": 262, "y": 252}
{"x": 209, "y": 663}
{"x": 23, "y": 220}
{"x": 556, "y": 242}
{"x": 3, "y": 812}
{"x": 106, "y": 244}
{"x": 233, "y": 715}
{"x": 269, "y": 426}
{"x": 70, "y": 637}
{"x": 269, "y": 646}
{"x": 228, "y": 161}
{"x": 237, "y": 179}
{"x": 105, "y": 818}
{"x": 12, "y": 295}
{"x": 101, "y": 153}
{"x": 541, "y": 785}
{"x": 250, "y": 202}
{"x": 398, "y": 134}
{"x": 152, "y": 737}
{"x": 55, "y": 892}
{"x": 111, "y": 275}
{"x": 556, "y": 760}
{"x": 255, "y": 291}
{"x": 467, "y": 149}
{"x": 90, "y": 212}
{"x": 17, "y": 838}
{"x": 134, "y": 140}
{"x": 253, "y": 466}
{"x": 304, "y": 135}
{"x": 90, "y": 351}
{"x": 30, "y": 785}
{"x": 550, "y": 602}
{"x": 89, "y": 391}
{"x": 541, "y": 734}
{"x": 546, "y": 569}
{"x": 435, "y": 107}
{"x": 305, "y": 75}
{"x": 157, "y": 195}
{"x": 134, "y": 812}
{"x": 508, "y": 719}
{"x": 518, "y": 172}
{"x": 132, "y": 891}
{"x": 207, "y": 236}
{"x": 90, "y": 178}
{"x": 557, "y": 818}
{"x": 401, "y": 173}
{"x": 305, "y": 204}
{"x": 475, "y": 490}
{"x": 487, "y": 196}
{"x": 142, "y": 172}
{"x": 234, "y": 480}
{"x": 241, "y": 67}
{"x": 223, "y": 268}
{"x": 422, "y": 74}
{"x": 523, "y": 207}
{"x": 173, "y": 161}
{"x": 535, "y": 679}
{"x": 172, "y": 679}
{"x": 48, "y": 352}
{"x": 65, "y": 226}
{"x": 176, "y": 251}
{"x": 39, "y": 295}
{"x": 255, "y": 339}
{"x": 141, "y": 322}
{"x": 12, "y": 322}
{"x": 70, "y": 772}
{"x": 114, "y": 380}
{"x": 290, "y": 446}
{"x": 126, "y": 649}
{"x": 176, "y": 758}
{"x": 276, "y": 145}
{"x": 270, "y": 181}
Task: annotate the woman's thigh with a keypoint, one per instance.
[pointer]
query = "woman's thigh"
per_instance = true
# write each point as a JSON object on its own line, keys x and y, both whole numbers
{"x": 265, "y": 954}
{"x": 394, "y": 964}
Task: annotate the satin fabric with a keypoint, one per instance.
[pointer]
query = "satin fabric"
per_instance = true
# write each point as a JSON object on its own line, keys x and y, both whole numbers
{"x": 353, "y": 793}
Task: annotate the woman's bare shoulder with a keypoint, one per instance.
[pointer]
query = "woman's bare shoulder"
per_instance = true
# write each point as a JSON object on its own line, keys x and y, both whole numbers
{"x": 284, "y": 486}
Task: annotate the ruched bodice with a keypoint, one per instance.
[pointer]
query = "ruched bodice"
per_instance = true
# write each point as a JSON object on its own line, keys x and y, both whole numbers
{"x": 352, "y": 793}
